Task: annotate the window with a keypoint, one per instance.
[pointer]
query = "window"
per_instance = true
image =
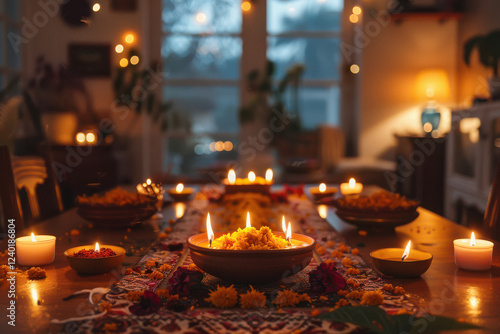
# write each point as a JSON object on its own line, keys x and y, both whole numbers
{"x": 10, "y": 64}
{"x": 202, "y": 50}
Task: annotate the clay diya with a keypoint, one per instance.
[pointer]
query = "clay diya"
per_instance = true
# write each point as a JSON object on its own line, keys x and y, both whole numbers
{"x": 400, "y": 262}
{"x": 251, "y": 266}
{"x": 322, "y": 191}
{"x": 252, "y": 183}
{"x": 94, "y": 260}
{"x": 180, "y": 193}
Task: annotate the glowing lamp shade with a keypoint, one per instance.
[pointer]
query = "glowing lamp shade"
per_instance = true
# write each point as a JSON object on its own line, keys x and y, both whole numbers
{"x": 432, "y": 85}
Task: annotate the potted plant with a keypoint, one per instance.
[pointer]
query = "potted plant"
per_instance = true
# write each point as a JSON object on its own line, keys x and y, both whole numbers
{"x": 488, "y": 47}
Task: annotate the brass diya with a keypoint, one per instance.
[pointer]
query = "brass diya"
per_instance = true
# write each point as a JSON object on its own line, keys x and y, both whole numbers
{"x": 94, "y": 266}
{"x": 252, "y": 266}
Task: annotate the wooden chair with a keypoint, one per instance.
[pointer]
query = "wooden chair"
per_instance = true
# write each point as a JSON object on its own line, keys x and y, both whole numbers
{"x": 491, "y": 220}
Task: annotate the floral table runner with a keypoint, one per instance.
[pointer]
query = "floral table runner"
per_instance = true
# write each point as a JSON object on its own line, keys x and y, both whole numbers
{"x": 165, "y": 291}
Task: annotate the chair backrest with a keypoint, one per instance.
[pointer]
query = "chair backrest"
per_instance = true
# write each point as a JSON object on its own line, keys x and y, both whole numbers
{"x": 491, "y": 221}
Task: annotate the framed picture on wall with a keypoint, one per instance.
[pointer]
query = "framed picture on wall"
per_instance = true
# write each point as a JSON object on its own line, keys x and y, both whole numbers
{"x": 90, "y": 60}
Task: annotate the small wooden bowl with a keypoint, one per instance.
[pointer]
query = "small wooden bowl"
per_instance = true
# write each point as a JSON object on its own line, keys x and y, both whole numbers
{"x": 251, "y": 266}
{"x": 318, "y": 195}
{"x": 183, "y": 196}
{"x": 388, "y": 262}
{"x": 96, "y": 266}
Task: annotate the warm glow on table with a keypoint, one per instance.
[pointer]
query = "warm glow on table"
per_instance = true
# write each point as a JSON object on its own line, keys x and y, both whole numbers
{"x": 35, "y": 250}
{"x": 473, "y": 254}
{"x": 351, "y": 188}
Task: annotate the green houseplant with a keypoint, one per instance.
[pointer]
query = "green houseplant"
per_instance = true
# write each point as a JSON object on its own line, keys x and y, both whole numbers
{"x": 488, "y": 47}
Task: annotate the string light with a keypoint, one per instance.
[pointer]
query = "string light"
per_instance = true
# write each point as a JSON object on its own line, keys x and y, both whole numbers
{"x": 246, "y": 6}
{"x": 129, "y": 38}
{"x": 96, "y": 7}
{"x": 124, "y": 62}
{"x": 354, "y": 69}
{"x": 353, "y": 18}
{"x": 356, "y": 10}
{"x": 201, "y": 17}
{"x": 134, "y": 60}
{"x": 119, "y": 48}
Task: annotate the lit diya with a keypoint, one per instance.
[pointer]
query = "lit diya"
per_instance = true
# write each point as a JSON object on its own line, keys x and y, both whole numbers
{"x": 401, "y": 263}
{"x": 352, "y": 188}
{"x": 251, "y": 255}
{"x": 180, "y": 193}
{"x": 322, "y": 191}
{"x": 93, "y": 260}
{"x": 251, "y": 183}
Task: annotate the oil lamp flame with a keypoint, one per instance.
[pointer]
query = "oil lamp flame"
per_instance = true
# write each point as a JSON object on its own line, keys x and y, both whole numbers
{"x": 96, "y": 248}
{"x": 33, "y": 237}
{"x": 322, "y": 188}
{"x": 352, "y": 183}
{"x": 179, "y": 188}
{"x": 148, "y": 182}
{"x": 269, "y": 175}
{"x": 289, "y": 232}
{"x": 231, "y": 176}
{"x": 472, "y": 239}
{"x": 248, "y": 220}
{"x": 251, "y": 176}
{"x": 407, "y": 251}
{"x": 283, "y": 224}
{"x": 210, "y": 232}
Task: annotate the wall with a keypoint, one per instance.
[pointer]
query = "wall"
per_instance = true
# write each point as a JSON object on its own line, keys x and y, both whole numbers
{"x": 390, "y": 63}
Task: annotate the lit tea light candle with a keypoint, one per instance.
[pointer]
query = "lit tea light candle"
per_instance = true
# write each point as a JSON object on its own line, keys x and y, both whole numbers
{"x": 473, "y": 254}
{"x": 179, "y": 188}
{"x": 406, "y": 252}
{"x": 251, "y": 177}
{"x": 351, "y": 188}
{"x": 269, "y": 175}
{"x": 248, "y": 220}
{"x": 210, "y": 232}
{"x": 322, "y": 191}
{"x": 180, "y": 193}
{"x": 322, "y": 188}
{"x": 97, "y": 248}
{"x": 231, "y": 176}
{"x": 36, "y": 250}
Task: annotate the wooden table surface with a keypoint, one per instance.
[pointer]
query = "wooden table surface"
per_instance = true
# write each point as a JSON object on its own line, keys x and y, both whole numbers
{"x": 443, "y": 289}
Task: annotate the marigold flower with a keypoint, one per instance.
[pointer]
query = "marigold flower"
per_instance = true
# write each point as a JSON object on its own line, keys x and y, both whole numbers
{"x": 353, "y": 283}
{"x": 252, "y": 299}
{"x": 355, "y": 295}
{"x": 343, "y": 248}
{"x": 342, "y": 302}
{"x": 193, "y": 266}
{"x": 168, "y": 229}
{"x": 347, "y": 262}
{"x": 398, "y": 290}
{"x": 354, "y": 251}
{"x": 290, "y": 298}
{"x": 372, "y": 298}
{"x": 156, "y": 275}
{"x": 388, "y": 287}
{"x": 315, "y": 312}
{"x": 352, "y": 271}
{"x": 336, "y": 253}
{"x": 36, "y": 273}
{"x": 165, "y": 267}
{"x": 342, "y": 293}
{"x": 150, "y": 264}
{"x": 134, "y": 295}
{"x": 163, "y": 235}
{"x": 321, "y": 250}
{"x": 223, "y": 297}
{"x": 104, "y": 306}
{"x": 110, "y": 327}
{"x": 163, "y": 293}
{"x": 324, "y": 298}
{"x": 330, "y": 243}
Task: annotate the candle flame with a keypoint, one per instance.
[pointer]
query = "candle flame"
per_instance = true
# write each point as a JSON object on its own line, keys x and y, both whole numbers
{"x": 283, "y": 224}
{"x": 472, "y": 239}
{"x": 148, "y": 182}
{"x": 322, "y": 188}
{"x": 251, "y": 176}
{"x": 269, "y": 175}
{"x": 231, "y": 176}
{"x": 352, "y": 183}
{"x": 289, "y": 232}
{"x": 407, "y": 251}
{"x": 210, "y": 232}
{"x": 33, "y": 237}
{"x": 97, "y": 248}
{"x": 248, "y": 219}
{"x": 179, "y": 188}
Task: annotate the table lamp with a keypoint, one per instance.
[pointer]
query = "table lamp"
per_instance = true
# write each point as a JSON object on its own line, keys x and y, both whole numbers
{"x": 432, "y": 86}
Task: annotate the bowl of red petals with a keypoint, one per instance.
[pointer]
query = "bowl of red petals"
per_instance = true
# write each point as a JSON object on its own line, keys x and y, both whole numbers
{"x": 94, "y": 260}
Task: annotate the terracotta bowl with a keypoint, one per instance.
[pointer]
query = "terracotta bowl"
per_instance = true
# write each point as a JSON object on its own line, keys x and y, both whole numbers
{"x": 182, "y": 196}
{"x": 251, "y": 266}
{"x": 94, "y": 266}
{"x": 116, "y": 216}
{"x": 388, "y": 262}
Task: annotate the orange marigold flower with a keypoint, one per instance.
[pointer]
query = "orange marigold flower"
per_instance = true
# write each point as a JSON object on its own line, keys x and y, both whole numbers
{"x": 325, "y": 298}
{"x": 163, "y": 293}
{"x": 287, "y": 298}
{"x": 129, "y": 271}
{"x": 168, "y": 229}
{"x": 355, "y": 295}
{"x": 104, "y": 306}
{"x": 156, "y": 275}
{"x": 110, "y": 327}
{"x": 193, "y": 266}
{"x": 36, "y": 273}
{"x": 304, "y": 297}
{"x": 342, "y": 302}
{"x": 330, "y": 261}
{"x": 354, "y": 251}
{"x": 343, "y": 248}
{"x": 330, "y": 243}
{"x": 398, "y": 290}
{"x": 372, "y": 298}
{"x": 342, "y": 293}
{"x": 388, "y": 287}
{"x": 315, "y": 312}
{"x": 353, "y": 283}
{"x": 134, "y": 295}
{"x": 223, "y": 297}
{"x": 165, "y": 267}
{"x": 321, "y": 250}
{"x": 252, "y": 299}
{"x": 336, "y": 253}
{"x": 352, "y": 271}
{"x": 150, "y": 264}
{"x": 163, "y": 235}
{"x": 347, "y": 262}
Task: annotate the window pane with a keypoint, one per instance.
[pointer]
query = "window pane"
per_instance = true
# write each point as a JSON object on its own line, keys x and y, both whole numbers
{"x": 12, "y": 9}
{"x": 317, "y": 105}
{"x": 201, "y": 16}
{"x": 13, "y": 57}
{"x": 320, "y": 55}
{"x": 303, "y": 15}
{"x": 210, "y": 108}
{"x": 202, "y": 57}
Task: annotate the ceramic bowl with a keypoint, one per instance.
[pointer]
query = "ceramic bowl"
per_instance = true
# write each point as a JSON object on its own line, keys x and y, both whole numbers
{"x": 183, "y": 196}
{"x": 251, "y": 266}
{"x": 96, "y": 266}
{"x": 388, "y": 262}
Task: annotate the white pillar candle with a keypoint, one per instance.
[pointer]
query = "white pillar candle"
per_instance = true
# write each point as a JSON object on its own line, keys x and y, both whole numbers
{"x": 472, "y": 254}
{"x": 35, "y": 253}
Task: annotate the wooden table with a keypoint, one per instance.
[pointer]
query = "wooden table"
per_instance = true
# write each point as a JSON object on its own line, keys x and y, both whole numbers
{"x": 443, "y": 289}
